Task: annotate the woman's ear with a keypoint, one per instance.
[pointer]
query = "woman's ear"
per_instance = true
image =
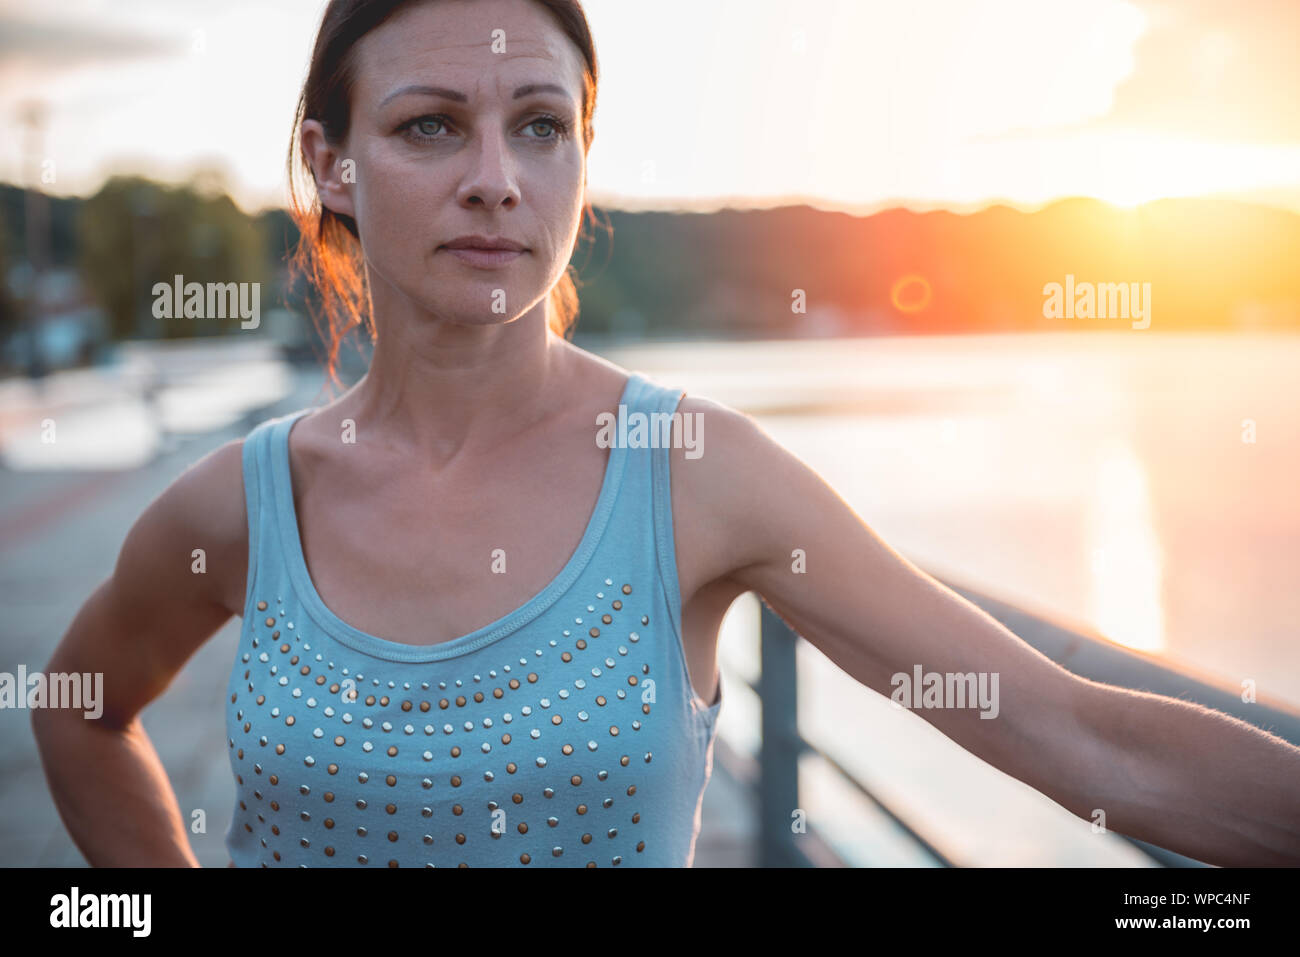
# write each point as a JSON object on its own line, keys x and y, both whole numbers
{"x": 334, "y": 173}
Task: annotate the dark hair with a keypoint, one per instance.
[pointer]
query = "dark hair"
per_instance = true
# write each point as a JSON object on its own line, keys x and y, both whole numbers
{"x": 328, "y": 252}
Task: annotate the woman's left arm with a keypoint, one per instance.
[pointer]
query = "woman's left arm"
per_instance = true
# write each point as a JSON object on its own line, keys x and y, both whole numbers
{"x": 1169, "y": 772}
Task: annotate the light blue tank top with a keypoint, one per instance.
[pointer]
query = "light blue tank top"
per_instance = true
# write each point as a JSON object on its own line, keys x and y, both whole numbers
{"x": 565, "y": 734}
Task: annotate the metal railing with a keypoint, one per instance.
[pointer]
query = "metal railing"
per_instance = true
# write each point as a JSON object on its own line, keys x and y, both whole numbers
{"x": 1077, "y": 648}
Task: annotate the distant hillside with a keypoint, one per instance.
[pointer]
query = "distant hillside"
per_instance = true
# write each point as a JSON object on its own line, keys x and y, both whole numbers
{"x": 1211, "y": 265}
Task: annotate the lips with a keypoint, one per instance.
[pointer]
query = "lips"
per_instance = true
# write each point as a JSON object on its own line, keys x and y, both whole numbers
{"x": 484, "y": 252}
{"x": 486, "y": 243}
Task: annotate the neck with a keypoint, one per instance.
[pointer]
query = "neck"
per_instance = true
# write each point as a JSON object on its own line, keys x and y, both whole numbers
{"x": 435, "y": 389}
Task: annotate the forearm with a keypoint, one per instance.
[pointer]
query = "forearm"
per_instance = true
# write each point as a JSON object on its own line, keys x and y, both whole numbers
{"x": 112, "y": 793}
{"x": 1196, "y": 781}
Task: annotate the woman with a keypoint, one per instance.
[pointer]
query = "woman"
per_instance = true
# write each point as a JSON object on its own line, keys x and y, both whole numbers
{"x": 475, "y": 636}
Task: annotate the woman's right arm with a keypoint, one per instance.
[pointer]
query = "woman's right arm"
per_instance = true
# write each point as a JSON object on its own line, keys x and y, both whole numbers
{"x": 138, "y": 628}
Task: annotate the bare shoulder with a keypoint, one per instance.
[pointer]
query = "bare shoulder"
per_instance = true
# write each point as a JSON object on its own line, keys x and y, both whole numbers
{"x": 200, "y": 520}
{"x": 169, "y": 589}
{"x": 724, "y": 458}
{"x": 216, "y": 487}
{"x": 730, "y": 482}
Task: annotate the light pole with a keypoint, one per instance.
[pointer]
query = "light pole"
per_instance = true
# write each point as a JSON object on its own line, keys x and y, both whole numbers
{"x": 36, "y": 213}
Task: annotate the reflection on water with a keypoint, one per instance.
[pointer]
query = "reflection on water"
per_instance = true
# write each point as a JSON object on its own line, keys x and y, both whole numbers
{"x": 1125, "y": 600}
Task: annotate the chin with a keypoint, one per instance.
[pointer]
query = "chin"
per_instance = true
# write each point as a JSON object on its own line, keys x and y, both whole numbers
{"x": 473, "y": 307}
{"x": 478, "y": 295}
{"x": 491, "y": 319}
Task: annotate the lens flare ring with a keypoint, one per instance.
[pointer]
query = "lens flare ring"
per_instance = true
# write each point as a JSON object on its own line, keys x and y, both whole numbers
{"x": 907, "y": 301}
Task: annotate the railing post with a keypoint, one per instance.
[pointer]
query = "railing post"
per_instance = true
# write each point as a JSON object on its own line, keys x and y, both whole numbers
{"x": 779, "y": 759}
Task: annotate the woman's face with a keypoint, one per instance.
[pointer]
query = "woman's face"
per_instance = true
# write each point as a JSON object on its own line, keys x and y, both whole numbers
{"x": 466, "y": 120}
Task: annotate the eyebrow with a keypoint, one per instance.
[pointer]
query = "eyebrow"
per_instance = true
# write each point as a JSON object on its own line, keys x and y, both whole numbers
{"x": 459, "y": 97}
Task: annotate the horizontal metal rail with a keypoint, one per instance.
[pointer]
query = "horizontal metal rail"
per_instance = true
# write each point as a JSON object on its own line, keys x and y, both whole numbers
{"x": 803, "y": 744}
{"x": 1075, "y": 647}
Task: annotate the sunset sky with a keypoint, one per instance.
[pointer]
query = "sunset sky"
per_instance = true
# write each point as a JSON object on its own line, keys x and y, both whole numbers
{"x": 853, "y": 104}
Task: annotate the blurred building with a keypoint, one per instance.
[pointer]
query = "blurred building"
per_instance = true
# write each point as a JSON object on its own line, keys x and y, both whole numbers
{"x": 64, "y": 328}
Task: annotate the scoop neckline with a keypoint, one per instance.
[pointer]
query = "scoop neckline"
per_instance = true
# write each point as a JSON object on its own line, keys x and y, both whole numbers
{"x": 508, "y": 623}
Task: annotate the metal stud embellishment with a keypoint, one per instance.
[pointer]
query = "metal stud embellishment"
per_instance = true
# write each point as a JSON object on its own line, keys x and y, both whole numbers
{"x": 510, "y": 750}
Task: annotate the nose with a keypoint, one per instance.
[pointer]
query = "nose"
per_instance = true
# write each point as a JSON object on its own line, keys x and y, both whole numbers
{"x": 490, "y": 182}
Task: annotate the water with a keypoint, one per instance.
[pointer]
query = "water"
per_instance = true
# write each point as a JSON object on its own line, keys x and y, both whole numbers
{"x": 1143, "y": 485}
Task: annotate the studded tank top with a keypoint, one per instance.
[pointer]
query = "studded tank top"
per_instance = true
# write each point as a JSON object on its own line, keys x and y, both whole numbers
{"x": 566, "y": 733}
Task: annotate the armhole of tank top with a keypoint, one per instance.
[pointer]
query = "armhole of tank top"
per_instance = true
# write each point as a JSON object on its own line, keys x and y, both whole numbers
{"x": 666, "y": 547}
{"x": 252, "y": 506}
